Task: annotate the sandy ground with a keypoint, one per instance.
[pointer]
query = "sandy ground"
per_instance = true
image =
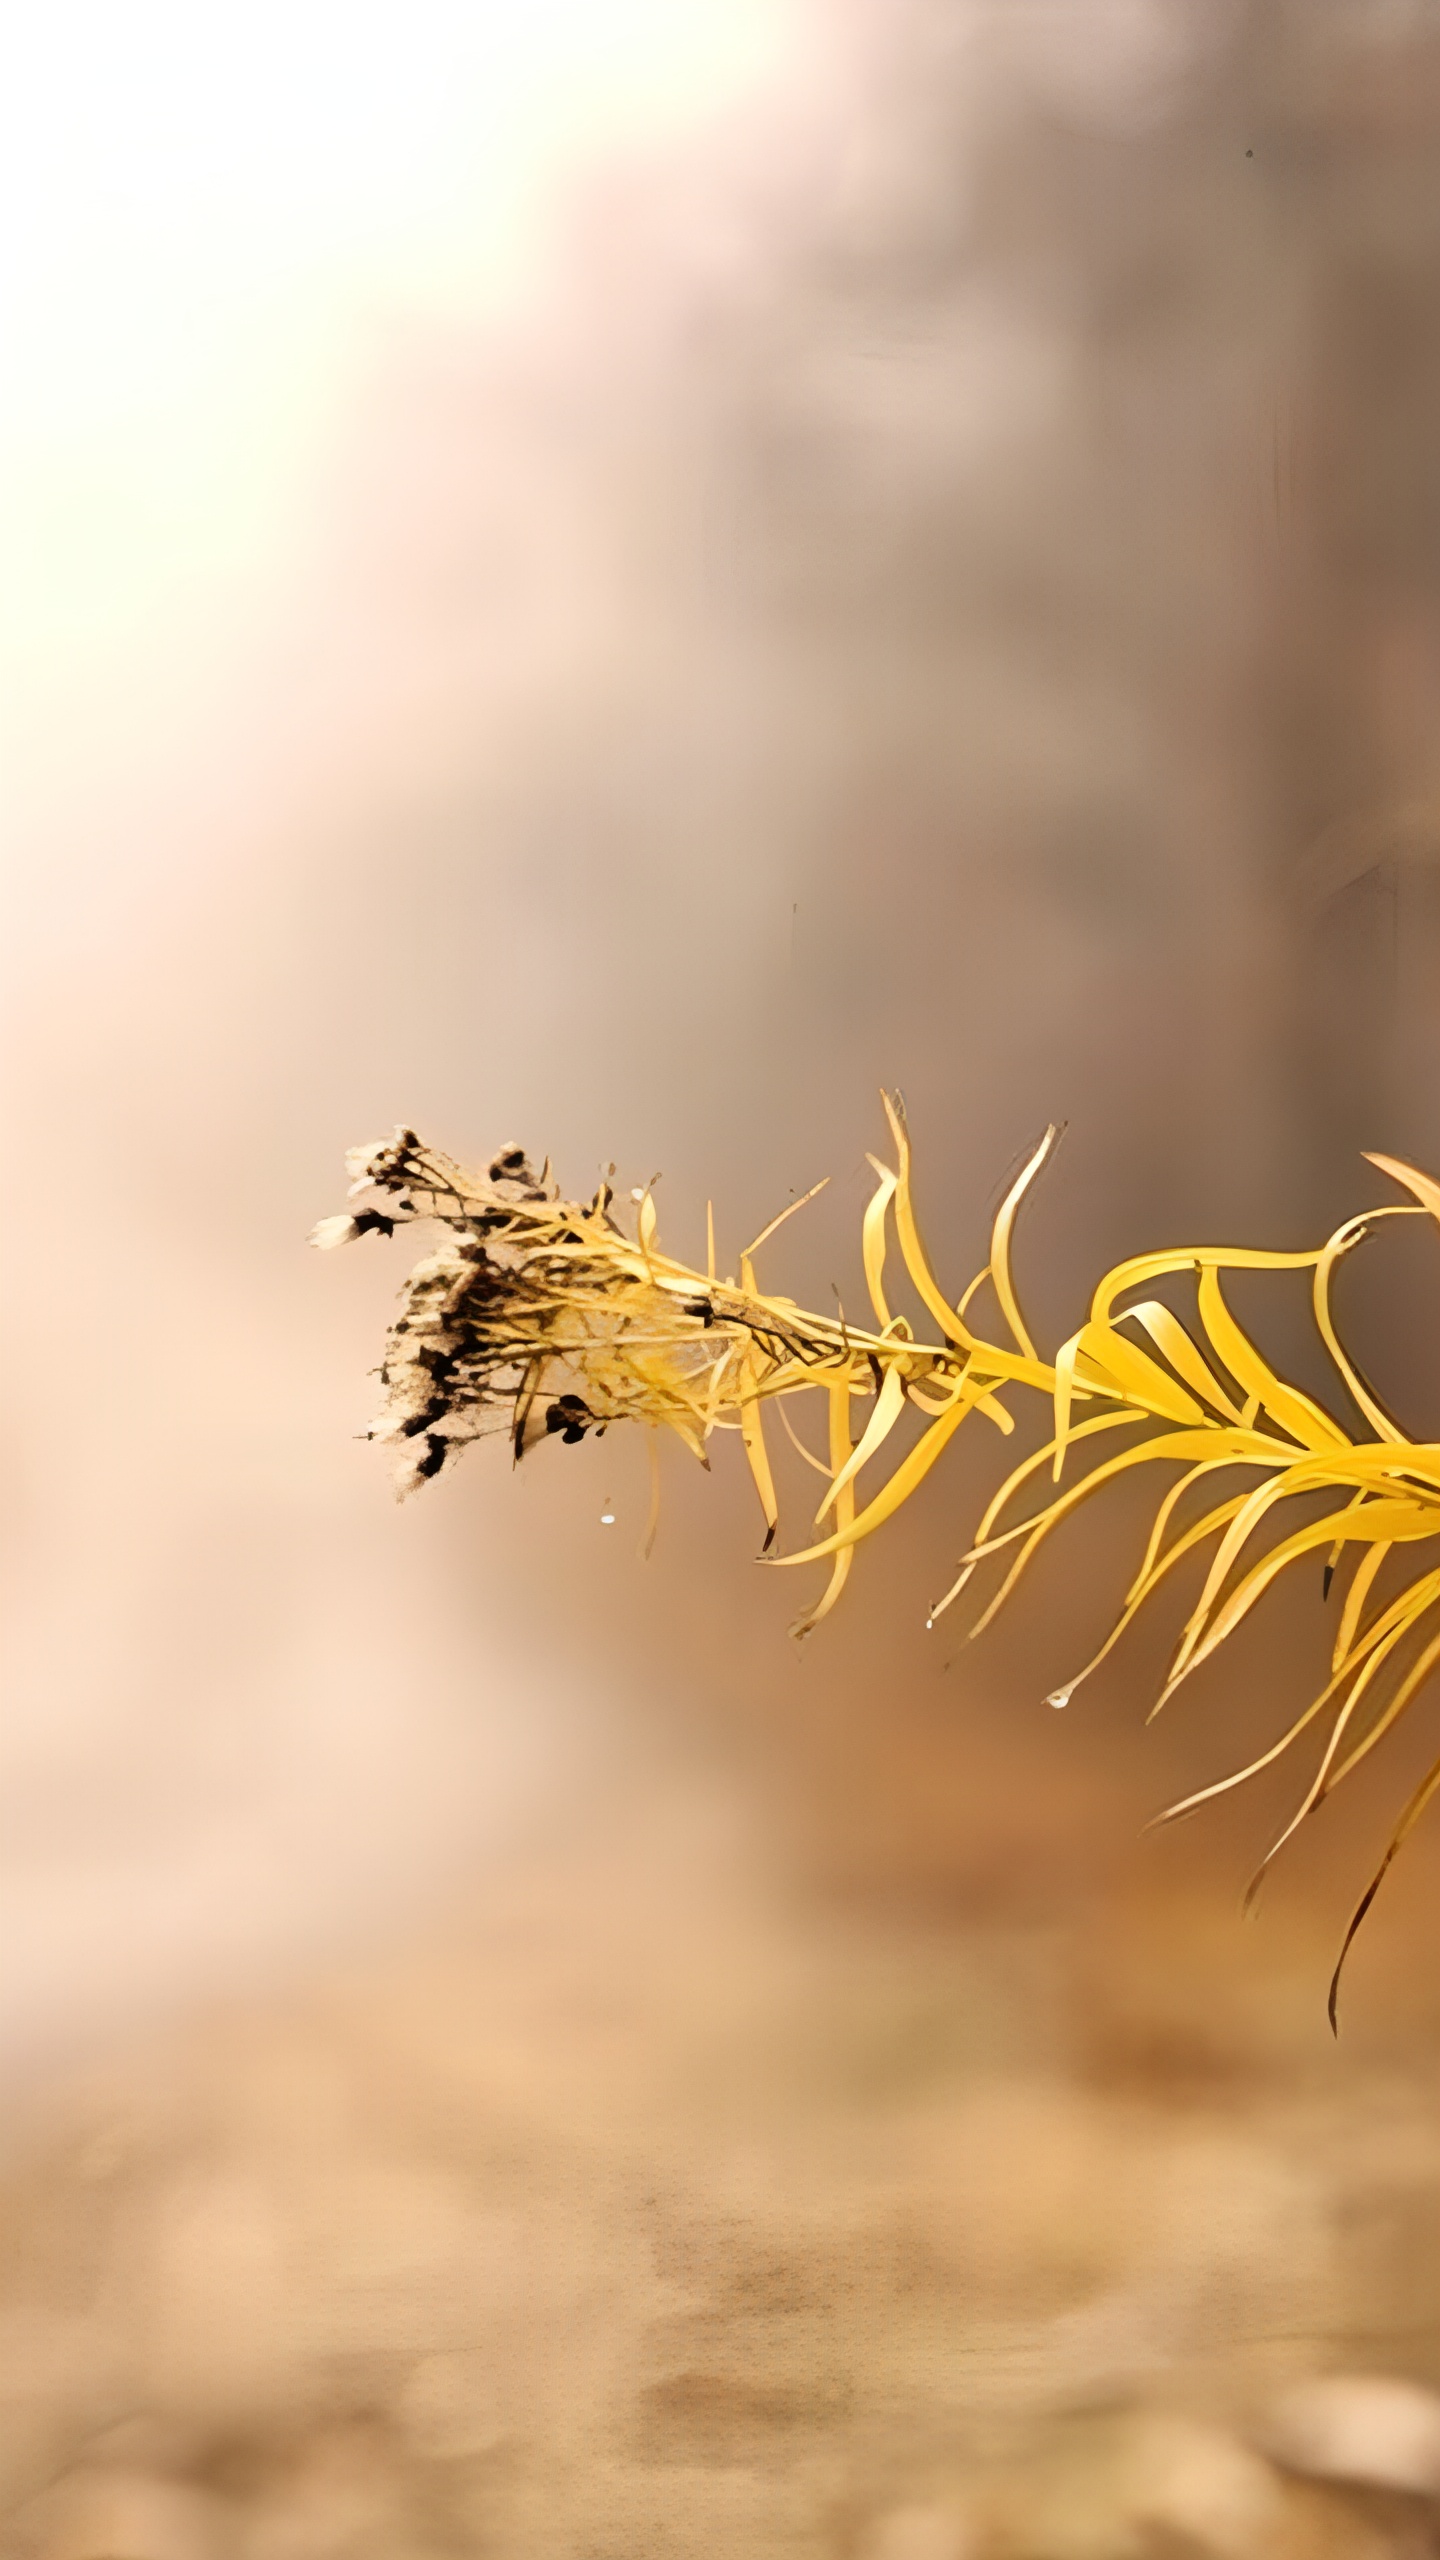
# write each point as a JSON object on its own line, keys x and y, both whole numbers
{"x": 654, "y": 2212}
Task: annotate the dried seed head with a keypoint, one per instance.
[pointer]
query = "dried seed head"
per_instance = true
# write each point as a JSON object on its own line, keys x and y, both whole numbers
{"x": 382, "y": 1162}
{"x": 419, "y": 1465}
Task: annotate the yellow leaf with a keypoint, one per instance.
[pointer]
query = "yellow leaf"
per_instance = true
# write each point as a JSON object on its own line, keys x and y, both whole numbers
{"x": 1169, "y": 1335}
{"x": 844, "y": 1511}
{"x": 911, "y": 1471}
{"x": 1293, "y": 1411}
{"x": 889, "y": 1405}
{"x": 916, "y": 1260}
{"x": 1425, "y": 1191}
{"x": 1000, "y": 1241}
{"x": 872, "y": 1241}
{"x": 1139, "y": 1379}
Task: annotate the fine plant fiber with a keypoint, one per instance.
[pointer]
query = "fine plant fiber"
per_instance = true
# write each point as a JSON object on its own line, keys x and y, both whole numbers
{"x": 540, "y": 1316}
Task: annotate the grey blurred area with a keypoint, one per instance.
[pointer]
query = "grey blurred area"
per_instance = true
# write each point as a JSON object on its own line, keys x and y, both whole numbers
{"x": 933, "y": 578}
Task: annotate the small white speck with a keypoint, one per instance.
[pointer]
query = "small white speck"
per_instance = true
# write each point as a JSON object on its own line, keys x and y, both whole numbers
{"x": 1058, "y": 1698}
{"x": 929, "y": 1622}
{"x": 637, "y": 1195}
{"x": 607, "y": 1519}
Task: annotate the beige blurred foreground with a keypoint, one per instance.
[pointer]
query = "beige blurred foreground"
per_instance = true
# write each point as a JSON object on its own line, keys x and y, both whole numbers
{"x": 654, "y": 2213}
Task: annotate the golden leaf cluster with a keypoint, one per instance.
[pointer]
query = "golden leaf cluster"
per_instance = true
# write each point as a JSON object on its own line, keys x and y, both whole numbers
{"x": 544, "y": 1316}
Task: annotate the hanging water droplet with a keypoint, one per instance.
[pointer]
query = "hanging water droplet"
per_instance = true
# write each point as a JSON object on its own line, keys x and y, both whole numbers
{"x": 1058, "y": 1698}
{"x": 929, "y": 1622}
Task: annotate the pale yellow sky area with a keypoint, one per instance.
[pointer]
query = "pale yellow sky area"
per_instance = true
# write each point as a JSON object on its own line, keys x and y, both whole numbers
{"x": 212, "y": 216}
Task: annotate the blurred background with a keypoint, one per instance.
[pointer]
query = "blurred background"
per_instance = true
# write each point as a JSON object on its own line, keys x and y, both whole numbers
{"x": 616, "y": 576}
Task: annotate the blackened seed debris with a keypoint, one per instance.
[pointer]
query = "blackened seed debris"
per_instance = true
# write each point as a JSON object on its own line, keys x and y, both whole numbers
{"x": 415, "y": 1423}
{"x": 570, "y": 1416}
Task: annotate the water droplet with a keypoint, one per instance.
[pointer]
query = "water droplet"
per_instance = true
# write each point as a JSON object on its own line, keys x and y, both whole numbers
{"x": 929, "y": 1622}
{"x": 607, "y": 1519}
{"x": 1058, "y": 1698}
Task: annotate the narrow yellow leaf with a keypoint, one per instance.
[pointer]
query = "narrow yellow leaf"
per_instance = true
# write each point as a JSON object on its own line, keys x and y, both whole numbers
{"x": 872, "y": 1241}
{"x": 802, "y": 1203}
{"x": 1169, "y": 1336}
{"x": 915, "y": 1257}
{"x": 1425, "y": 1190}
{"x": 1000, "y": 1241}
{"x": 1422, "y": 1798}
{"x": 1355, "y": 1598}
{"x": 1294, "y": 1411}
{"x": 911, "y": 1471}
{"x": 889, "y": 1405}
{"x": 1342, "y": 1242}
{"x": 844, "y": 1512}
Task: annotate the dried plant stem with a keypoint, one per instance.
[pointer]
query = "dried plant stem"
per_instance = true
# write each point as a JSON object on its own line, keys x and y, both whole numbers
{"x": 543, "y": 1316}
